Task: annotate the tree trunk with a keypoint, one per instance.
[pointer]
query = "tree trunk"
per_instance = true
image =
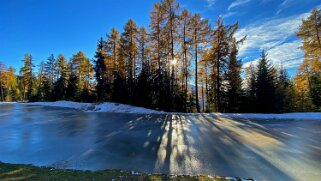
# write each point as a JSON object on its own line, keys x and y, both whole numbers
{"x": 172, "y": 93}
{"x": 203, "y": 101}
{"x": 24, "y": 93}
{"x": 159, "y": 86}
{"x": 317, "y": 31}
{"x": 206, "y": 83}
{"x": 218, "y": 102}
{"x": 1, "y": 92}
{"x": 115, "y": 65}
{"x": 196, "y": 81}
{"x": 131, "y": 68}
{"x": 185, "y": 70}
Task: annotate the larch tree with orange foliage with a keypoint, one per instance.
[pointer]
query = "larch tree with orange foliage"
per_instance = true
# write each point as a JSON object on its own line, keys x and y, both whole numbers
{"x": 308, "y": 78}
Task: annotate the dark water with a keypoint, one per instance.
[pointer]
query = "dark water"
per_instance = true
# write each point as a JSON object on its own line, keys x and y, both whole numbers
{"x": 67, "y": 138}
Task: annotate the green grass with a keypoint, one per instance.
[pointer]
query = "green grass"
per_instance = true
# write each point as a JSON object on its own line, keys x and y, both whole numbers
{"x": 29, "y": 172}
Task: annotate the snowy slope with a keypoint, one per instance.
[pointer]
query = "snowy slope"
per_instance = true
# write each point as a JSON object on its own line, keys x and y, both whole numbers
{"x": 103, "y": 107}
{"x": 122, "y": 108}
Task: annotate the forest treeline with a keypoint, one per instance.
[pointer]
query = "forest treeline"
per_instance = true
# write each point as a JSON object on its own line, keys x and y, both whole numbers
{"x": 179, "y": 63}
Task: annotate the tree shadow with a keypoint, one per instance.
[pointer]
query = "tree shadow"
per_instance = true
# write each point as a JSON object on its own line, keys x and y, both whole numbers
{"x": 193, "y": 144}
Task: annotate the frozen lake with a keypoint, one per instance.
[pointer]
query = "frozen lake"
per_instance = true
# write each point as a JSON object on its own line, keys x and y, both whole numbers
{"x": 173, "y": 144}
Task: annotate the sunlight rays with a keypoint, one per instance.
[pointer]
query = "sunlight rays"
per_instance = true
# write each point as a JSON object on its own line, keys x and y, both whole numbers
{"x": 174, "y": 150}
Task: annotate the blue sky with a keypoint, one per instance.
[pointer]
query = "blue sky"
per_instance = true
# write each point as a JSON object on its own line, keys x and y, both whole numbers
{"x": 42, "y": 27}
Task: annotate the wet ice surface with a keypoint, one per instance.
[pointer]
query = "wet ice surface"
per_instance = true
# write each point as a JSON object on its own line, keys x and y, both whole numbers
{"x": 190, "y": 144}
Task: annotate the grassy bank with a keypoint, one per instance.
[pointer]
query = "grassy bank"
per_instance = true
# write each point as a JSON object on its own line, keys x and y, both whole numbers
{"x": 29, "y": 172}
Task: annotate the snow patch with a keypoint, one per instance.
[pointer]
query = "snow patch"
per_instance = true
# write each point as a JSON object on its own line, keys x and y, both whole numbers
{"x": 123, "y": 108}
{"x": 94, "y": 107}
{"x": 294, "y": 116}
{"x": 8, "y": 102}
{"x": 63, "y": 104}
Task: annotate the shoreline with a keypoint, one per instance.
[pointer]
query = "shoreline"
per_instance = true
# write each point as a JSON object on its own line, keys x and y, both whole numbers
{"x": 30, "y": 172}
{"x": 109, "y": 107}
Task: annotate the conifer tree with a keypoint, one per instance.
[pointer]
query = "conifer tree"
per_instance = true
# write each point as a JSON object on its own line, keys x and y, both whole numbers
{"x": 308, "y": 78}
{"x": 100, "y": 71}
{"x": 50, "y": 73}
{"x": 73, "y": 84}
{"x": 27, "y": 77}
{"x": 219, "y": 57}
{"x": 113, "y": 66}
{"x": 81, "y": 73}
{"x": 143, "y": 48}
{"x": 185, "y": 32}
{"x": 303, "y": 86}
{"x": 9, "y": 90}
{"x": 143, "y": 94}
{"x": 170, "y": 10}
{"x": 204, "y": 65}
{"x": 112, "y": 46}
{"x": 250, "y": 90}
{"x": 60, "y": 86}
{"x": 120, "y": 87}
{"x": 202, "y": 78}
{"x": 2, "y": 80}
{"x": 200, "y": 35}
{"x": 265, "y": 85}
{"x": 310, "y": 33}
{"x": 50, "y": 69}
{"x": 129, "y": 37}
{"x": 284, "y": 92}
{"x": 42, "y": 80}
{"x": 13, "y": 90}
{"x": 234, "y": 80}
{"x": 158, "y": 56}
{"x": 315, "y": 91}
{"x": 87, "y": 69}
{"x": 61, "y": 66}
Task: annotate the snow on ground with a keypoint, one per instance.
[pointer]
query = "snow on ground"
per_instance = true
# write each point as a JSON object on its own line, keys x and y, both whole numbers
{"x": 122, "y": 108}
{"x": 63, "y": 104}
{"x": 8, "y": 102}
{"x": 295, "y": 116}
{"x": 103, "y": 107}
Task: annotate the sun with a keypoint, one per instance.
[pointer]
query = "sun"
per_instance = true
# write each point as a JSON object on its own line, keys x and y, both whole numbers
{"x": 174, "y": 61}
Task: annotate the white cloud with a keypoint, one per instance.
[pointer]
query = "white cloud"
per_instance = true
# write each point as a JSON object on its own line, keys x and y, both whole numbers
{"x": 237, "y": 3}
{"x": 210, "y": 3}
{"x": 248, "y": 64}
{"x": 228, "y": 14}
{"x": 283, "y": 5}
{"x": 288, "y": 54}
{"x": 275, "y": 36}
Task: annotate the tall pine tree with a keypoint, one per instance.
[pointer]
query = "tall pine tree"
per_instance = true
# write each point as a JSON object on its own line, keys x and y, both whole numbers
{"x": 27, "y": 77}
{"x": 265, "y": 85}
